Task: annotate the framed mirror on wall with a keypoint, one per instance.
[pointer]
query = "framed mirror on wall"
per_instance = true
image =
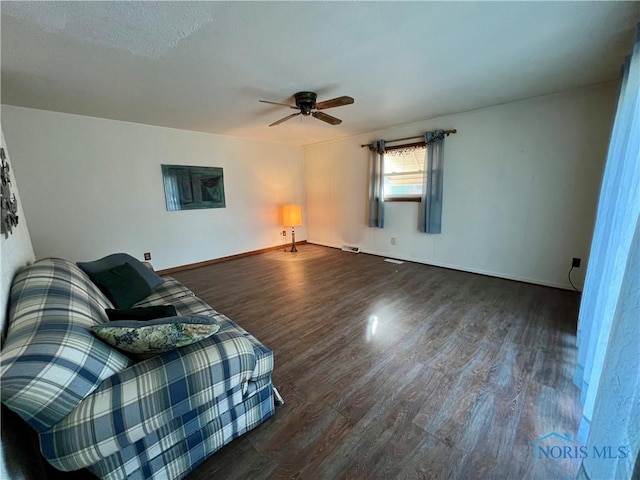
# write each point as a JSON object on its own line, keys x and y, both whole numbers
{"x": 188, "y": 187}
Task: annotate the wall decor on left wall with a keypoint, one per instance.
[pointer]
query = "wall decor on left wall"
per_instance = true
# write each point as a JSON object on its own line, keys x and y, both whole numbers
{"x": 8, "y": 202}
{"x": 188, "y": 188}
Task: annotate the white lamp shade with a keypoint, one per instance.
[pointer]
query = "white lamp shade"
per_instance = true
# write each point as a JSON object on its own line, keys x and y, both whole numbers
{"x": 292, "y": 215}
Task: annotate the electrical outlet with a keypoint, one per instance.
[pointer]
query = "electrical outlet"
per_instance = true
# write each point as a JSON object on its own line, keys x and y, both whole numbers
{"x": 284, "y": 233}
{"x": 575, "y": 263}
{"x": 393, "y": 240}
{"x": 147, "y": 256}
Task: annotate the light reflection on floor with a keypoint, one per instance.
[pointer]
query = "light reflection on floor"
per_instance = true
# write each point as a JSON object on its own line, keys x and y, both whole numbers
{"x": 372, "y": 326}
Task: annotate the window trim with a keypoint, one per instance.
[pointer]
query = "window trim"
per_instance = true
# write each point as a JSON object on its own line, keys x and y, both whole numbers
{"x": 403, "y": 198}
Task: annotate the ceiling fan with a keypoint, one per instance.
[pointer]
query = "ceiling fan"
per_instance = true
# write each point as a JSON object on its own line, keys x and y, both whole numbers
{"x": 306, "y": 103}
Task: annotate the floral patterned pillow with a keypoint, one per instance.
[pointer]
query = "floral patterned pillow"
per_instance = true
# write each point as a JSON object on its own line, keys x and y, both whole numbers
{"x": 156, "y": 336}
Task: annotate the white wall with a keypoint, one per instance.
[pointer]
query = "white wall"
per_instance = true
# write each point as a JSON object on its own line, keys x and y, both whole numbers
{"x": 18, "y": 457}
{"x": 16, "y": 251}
{"x": 92, "y": 187}
{"x": 521, "y": 182}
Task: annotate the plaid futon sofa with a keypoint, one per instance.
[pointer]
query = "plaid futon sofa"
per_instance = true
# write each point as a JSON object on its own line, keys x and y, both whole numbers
{"x": 94, "y": 407}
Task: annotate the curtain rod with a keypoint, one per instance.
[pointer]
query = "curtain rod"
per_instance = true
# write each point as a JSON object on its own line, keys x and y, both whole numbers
{"x": 446, "y": 132}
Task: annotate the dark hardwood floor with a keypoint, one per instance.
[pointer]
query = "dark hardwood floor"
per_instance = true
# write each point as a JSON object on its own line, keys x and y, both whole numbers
{"x": 397, "y": 371}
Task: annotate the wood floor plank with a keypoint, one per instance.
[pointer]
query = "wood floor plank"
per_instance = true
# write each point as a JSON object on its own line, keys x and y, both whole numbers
{"x": 546, "y": 410}
{"x": 432, "y": 460}
{"x": 311, "y": 430}
{"x": 396, "y": 371}
{"x": 242, "y": 460}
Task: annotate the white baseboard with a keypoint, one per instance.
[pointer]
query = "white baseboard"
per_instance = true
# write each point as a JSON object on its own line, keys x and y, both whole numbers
{"x": 489, "y": 273}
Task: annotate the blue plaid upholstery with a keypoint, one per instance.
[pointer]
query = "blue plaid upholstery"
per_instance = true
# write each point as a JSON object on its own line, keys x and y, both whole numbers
{"x": 185, "y": 442}
{"x": 185, "y": 305}
{"x": 50, "y": 359}
{"x": 158, "y": 418}
{"x": 168, "y": 291}
{"x": 136, "y": 402}
{"x": 192, "y": 305}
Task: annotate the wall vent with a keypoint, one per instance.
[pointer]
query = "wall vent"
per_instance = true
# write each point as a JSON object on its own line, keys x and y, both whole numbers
{"x": 350, "y": 248}
{"x": 393, "y": 260}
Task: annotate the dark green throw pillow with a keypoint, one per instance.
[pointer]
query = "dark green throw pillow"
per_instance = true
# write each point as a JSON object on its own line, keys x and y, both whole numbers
{"x": 141, "y": 313}
{"x": 113, "y": 260}
{"x": 123, "y": 285}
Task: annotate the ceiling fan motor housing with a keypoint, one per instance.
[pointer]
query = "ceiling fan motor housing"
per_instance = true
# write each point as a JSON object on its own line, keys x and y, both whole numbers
{"x": 306, "y": 101}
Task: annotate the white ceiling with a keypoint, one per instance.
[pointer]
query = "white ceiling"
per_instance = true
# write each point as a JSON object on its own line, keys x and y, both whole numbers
{"x": 203, "y": 66}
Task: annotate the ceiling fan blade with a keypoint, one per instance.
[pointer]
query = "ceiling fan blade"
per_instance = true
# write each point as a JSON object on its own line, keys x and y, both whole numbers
{"x": 282, "y": 120}
{"x": 276, "y": 103}
{"x": 334, "y": 102}
{"x": 327, "y": 118}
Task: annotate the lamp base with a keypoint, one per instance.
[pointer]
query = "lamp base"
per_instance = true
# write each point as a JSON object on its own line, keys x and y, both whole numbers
{"x": 293, "y": 241}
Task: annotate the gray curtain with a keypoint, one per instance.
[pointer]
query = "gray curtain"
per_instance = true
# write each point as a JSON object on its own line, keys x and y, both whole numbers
{"x": 430, "y": 212}
{"x": 376, "y": 184}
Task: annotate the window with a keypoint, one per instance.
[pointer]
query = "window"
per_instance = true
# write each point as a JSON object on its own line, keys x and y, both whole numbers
{"x": 404, "y": 172}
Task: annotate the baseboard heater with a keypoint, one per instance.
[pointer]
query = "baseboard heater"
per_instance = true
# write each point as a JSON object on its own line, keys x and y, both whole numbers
{"x": 350, "y": 248}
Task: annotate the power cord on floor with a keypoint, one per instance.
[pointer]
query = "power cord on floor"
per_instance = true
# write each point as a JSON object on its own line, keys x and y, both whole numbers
{"x": 569, "y": 277}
